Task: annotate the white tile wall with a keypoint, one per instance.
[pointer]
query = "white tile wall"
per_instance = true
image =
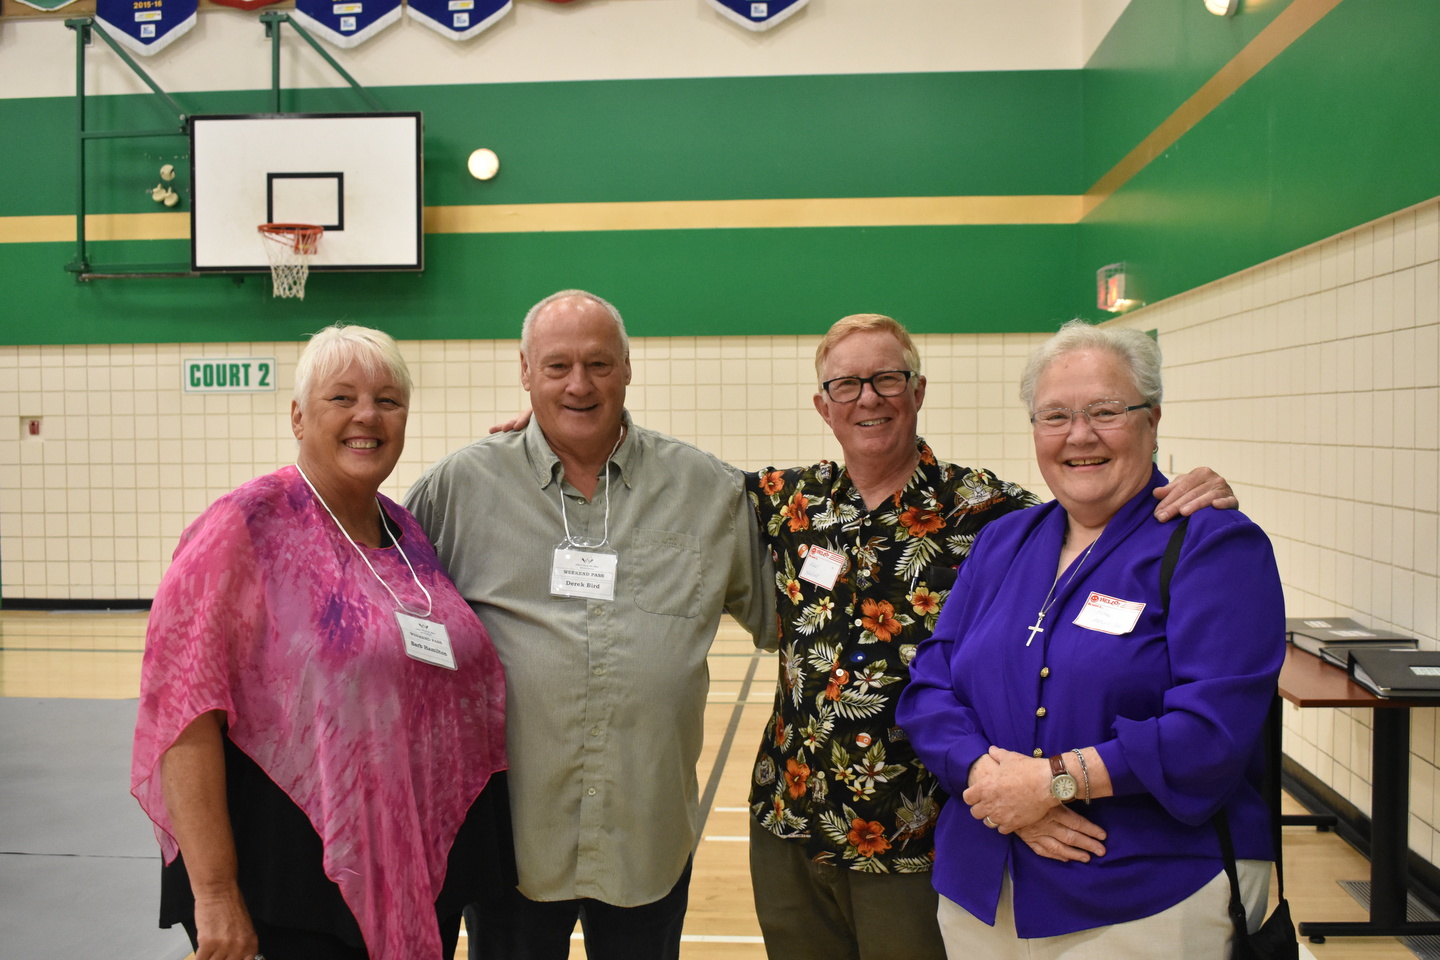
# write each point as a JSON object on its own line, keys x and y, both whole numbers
{"x": 1312, "y": 382}
{"x": 93, "y": 508}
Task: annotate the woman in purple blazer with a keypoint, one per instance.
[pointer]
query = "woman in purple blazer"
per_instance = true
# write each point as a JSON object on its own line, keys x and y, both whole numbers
{"x": 1087, "y": 734}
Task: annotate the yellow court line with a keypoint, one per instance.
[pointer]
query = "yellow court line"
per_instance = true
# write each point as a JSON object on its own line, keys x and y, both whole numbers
{"x": 1287, "y": 27}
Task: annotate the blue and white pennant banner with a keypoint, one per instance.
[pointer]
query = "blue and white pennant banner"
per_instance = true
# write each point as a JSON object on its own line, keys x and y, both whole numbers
{"x": 457, "y": 19}
{"x": 346, "y": 23}
{"x": 758, "y": 16}
{"x": 146, "y": 26}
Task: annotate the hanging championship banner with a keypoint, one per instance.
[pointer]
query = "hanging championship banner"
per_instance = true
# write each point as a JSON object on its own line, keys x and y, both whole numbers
{"x": 46, "y": 4}
{"x": 457, "y": 19}
{"x": 758, "y": 16}
{"x": 245, "y": 4}
{"x": 146, "y": 26}
{"x": 346, "y": 23}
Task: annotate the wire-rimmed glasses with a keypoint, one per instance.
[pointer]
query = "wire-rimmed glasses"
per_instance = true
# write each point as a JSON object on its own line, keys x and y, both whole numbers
{"x": 1101, "y": 415}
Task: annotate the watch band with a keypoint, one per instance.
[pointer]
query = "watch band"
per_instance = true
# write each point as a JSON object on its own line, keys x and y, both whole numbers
{"x": 1062, "y": 785}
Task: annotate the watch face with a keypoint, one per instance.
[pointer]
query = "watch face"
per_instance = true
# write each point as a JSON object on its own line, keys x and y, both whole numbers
{"x": 1063, "y": 787}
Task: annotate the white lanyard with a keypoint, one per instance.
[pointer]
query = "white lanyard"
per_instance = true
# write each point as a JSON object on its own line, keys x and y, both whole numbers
{"x": 582, "y": 543}
{"x": 429, "y": 601}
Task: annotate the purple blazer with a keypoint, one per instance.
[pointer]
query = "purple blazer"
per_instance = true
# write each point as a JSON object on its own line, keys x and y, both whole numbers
{"x": 1176, "y": 707}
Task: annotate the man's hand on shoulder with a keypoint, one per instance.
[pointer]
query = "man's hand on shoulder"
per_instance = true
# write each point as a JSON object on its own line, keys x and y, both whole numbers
{"x": 1201, "y": 487}
{"x": 514, "y": 424}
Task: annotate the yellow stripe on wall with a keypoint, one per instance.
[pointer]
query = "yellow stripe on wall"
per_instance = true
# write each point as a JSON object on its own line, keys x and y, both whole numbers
{"x": 736, "y": 214}
{"x": 1287, "y": 27}
{"x": 647, "y": 215}
{"x": 98, "y": 226}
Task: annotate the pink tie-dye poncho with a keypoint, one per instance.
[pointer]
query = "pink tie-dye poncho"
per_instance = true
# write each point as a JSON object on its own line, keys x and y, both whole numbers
{"x": 270, "y": 615}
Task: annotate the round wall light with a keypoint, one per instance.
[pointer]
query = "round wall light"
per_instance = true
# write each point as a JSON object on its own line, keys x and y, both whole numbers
{"x": 1222, "y": 8}
{"x": 483, "y": 164}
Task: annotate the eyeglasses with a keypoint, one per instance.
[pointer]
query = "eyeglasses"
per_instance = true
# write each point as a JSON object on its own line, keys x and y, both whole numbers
{"x": 886, "y": 383}
{"x": 1101, "y": 415}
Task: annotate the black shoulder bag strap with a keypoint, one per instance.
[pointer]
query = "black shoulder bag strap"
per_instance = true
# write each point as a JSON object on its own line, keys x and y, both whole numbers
{"x": 1277, "y": 939}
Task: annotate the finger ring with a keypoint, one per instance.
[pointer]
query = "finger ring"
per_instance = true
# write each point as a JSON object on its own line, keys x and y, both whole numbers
{"x": 990, "y": 823}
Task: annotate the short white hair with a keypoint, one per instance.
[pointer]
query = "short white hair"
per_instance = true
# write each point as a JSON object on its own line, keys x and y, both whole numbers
{"x": 335, "y": 348}
{"x": 527, "y": 328}
{"x": 1139, "y": 352}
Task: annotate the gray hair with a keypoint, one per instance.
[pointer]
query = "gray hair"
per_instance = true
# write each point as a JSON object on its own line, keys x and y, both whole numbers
{"x": 335, "y": 348}
{"x": 527, "y": 328}
{"x": 1140, "y": 353}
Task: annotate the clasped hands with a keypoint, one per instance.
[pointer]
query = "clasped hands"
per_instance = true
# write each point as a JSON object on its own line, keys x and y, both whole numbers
{"x": 1011, "y": 792}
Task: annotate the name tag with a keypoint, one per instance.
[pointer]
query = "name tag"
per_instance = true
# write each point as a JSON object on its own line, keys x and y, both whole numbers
{"x": 823, "y": 567}
{"x": 584, "y": 574}
{"x": 1109, "y": 614}
{"x": 426, "y": 641}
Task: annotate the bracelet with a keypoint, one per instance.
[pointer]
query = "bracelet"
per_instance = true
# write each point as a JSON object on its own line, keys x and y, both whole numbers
{"x": 1084, "y": 772}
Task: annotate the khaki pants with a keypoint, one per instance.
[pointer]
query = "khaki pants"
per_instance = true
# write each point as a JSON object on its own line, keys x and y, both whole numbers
{"x": 1196, "y": 928}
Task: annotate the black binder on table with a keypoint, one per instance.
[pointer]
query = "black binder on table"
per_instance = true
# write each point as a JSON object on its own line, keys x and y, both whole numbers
{"x": 1339, "y": 652}
{"x": 1402, "y": 674}
{"x": 1314, "y": 635}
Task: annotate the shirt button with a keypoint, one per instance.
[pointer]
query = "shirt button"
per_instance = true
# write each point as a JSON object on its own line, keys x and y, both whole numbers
{"x": 594, "y": 731}
{"x": 857, "y": 621}
{"x": 1040, "y": 712}
{"x": 1037, "y": 752}
{"x": 599, "y": 671}
{"x": 1044, "y": 672}
{"x": 591, "y": 791}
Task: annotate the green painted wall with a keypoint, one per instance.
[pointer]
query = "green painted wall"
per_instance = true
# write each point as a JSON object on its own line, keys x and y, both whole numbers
{"x": 668, "y": 283}
{"x": 845, "y": 136}
{"x": 1343, "y": 127}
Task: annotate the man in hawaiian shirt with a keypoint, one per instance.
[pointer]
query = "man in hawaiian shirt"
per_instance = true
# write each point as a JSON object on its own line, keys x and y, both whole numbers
{"x": 843, "y": 812}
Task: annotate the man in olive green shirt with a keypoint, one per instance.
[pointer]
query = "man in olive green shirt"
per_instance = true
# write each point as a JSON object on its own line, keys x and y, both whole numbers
{"x": 600, "y": 556}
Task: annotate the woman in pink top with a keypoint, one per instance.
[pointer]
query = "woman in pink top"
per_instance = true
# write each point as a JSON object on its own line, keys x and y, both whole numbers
{"x": 321, "y": 732}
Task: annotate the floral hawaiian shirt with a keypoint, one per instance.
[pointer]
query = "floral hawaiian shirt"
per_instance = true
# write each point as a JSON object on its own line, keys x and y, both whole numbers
{"x": 834, "y": 771}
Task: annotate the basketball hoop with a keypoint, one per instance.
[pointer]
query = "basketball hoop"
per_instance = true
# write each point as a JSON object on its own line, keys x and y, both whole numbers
{"x": 290, "y": 247}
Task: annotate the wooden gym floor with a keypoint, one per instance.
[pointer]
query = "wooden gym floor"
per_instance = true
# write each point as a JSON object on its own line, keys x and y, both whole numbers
{"x": 60, "y": 655}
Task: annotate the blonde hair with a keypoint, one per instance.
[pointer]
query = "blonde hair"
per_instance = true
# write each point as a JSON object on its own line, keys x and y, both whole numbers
{"x": 336, "y": 347}
{"x": 857, "y": 323}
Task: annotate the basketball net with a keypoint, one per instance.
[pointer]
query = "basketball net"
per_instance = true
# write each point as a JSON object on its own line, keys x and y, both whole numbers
{"x": 290, "y": 247}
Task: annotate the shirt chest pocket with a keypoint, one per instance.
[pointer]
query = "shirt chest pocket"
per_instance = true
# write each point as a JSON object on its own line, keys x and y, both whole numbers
{"x": 665, "y": 573}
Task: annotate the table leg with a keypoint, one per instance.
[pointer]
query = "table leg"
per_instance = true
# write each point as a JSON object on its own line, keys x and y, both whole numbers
{"x": 1389, "y": 837}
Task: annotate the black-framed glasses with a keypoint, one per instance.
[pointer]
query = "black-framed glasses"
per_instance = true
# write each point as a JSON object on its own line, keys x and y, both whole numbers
{"x": 886, "y": 383}
{"x": 1102, "y": 415}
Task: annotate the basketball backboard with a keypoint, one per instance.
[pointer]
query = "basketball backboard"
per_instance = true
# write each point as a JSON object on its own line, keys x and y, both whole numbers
{"x": 360, "y": 176}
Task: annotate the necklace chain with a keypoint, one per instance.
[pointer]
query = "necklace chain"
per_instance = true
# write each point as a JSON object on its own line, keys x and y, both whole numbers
{"x": 1045, "y": 607}
{"x": 384, "y": 522}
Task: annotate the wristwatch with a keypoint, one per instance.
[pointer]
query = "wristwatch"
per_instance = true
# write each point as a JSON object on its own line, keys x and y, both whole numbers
{"x": 1062, "y": 785}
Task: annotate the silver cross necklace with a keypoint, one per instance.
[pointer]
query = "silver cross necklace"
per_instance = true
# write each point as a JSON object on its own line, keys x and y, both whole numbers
{"x": 1045, "y": 607}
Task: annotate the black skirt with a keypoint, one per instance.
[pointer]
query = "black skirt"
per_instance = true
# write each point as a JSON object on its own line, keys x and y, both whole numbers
{"x": 280, "y": 858}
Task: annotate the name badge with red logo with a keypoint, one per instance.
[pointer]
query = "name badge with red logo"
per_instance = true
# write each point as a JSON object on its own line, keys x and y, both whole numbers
{"x": 823, "y": 567}
{"x": 1109, "y": 614}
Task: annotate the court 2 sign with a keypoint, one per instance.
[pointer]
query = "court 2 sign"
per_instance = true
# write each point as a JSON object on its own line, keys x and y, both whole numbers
{"x": 229, "y": 375}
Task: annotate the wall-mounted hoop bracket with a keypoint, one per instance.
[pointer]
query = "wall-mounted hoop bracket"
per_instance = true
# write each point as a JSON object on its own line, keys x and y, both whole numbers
{"x": 87, "y": 28}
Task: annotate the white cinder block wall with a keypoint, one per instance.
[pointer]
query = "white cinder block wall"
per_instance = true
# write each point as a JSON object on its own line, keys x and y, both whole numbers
{"x": 93, "y": 507}
{"x": 1309, "y": 381}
